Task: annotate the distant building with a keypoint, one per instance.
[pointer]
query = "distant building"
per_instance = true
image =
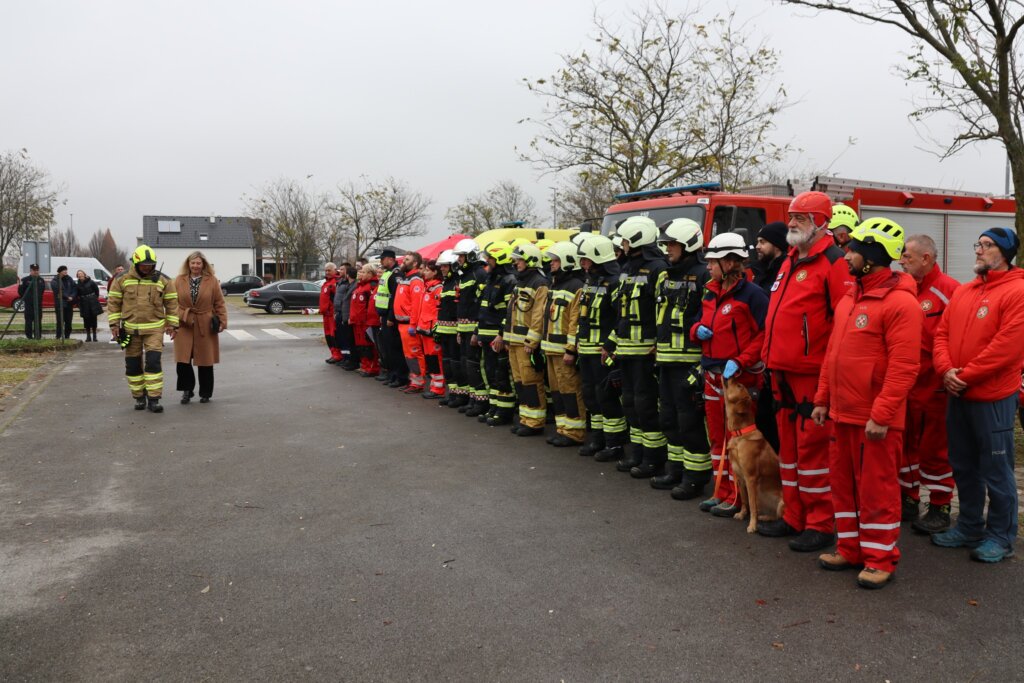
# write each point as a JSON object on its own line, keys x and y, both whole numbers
{"x": 228, "y": 242}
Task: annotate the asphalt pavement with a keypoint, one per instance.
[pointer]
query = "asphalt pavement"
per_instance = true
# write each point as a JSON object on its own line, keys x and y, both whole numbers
{"x": 309, "y": 524}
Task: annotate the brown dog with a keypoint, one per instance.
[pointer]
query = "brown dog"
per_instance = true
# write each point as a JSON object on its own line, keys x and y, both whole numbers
{"x": 755, "y": 465}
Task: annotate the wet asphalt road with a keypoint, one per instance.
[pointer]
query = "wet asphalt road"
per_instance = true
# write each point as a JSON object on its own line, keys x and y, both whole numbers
{"x": 309, "y": 524}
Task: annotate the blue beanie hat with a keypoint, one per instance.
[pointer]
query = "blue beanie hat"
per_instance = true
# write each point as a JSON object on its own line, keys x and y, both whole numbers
{"x": 1006, "y": 239}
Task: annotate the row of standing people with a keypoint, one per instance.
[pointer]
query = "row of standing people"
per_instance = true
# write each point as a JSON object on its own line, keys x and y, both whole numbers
{"x": 82, "y": 292}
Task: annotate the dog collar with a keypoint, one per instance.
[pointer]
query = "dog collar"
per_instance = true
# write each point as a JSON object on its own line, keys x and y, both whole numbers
{"x": 740, "y": 432}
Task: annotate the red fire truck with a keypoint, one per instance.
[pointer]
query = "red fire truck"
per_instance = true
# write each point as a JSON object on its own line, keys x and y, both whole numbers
{"x": 953, "y": 218}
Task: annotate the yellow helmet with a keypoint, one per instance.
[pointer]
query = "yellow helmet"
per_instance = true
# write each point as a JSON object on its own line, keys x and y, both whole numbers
{"x": 843, "y": 217}
{"x": 883, "y": 232}
{"x": 519, "y": 241}
{"x": 500, "y": 251}
{"x": 143, "y": 254}
{"x": 529, "y": 253}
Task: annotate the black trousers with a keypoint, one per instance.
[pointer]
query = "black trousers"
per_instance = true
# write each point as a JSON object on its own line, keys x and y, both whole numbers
{"x": 391, "y": 344}
{"x": 64, "y": 317}
{"x": 640, "y": 403}
{"x": 604, "y": 399}
{"x": 682, "y": 417}
{"x": 765, "y": 418}
{"x": 472, "y": 379}
{"x": 33, "y": 327}
{"x": 187, "y": 380}
{"x": 450, "y": 360}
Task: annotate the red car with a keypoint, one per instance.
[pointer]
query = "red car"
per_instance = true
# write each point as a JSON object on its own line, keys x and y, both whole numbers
{"x": 9, "y": 297}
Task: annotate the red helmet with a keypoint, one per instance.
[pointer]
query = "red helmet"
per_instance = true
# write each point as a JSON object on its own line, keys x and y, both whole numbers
{"x": 814, "y": 203}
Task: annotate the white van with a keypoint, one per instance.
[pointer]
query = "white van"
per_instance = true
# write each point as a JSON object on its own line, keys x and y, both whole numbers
{"x": 92, "y": 267}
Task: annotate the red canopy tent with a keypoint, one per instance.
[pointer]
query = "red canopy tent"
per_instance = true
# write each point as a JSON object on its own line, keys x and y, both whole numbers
{"x": 432, "y": 251}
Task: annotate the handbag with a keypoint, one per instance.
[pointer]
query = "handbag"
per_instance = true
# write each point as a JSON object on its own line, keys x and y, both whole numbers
{"x": 215, "y": 324}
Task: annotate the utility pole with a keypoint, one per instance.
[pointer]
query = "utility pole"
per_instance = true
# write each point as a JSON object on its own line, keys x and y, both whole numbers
{"x": 554, "y": 207}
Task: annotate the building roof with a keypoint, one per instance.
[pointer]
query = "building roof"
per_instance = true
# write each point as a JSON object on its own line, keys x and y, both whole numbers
{"x": 186, "y": 232}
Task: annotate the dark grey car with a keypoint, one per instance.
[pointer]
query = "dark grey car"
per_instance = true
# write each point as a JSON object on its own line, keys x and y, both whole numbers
{"x": 240, "y": 284}
{"x": 286, "y": 294}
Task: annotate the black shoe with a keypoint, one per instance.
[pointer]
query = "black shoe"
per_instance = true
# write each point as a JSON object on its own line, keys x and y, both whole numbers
{"x": 628, "y": 462}
{"x": 670, "y": 479}
{"x": 935, "y": 521}
{"x": 431, "y": 396}
{"x": 140, "y": 403}
{"x": 562, "y": 441}
{"x": 332, "y": 361}
{"x": 811, "y": 541}
{"x": 486, "y": 416}
{"x": 593, "y": 443}
{"x": 777, "y": 528}
{"x": 382, "y": 378}
{"x": 551, "y": 438}
{"x": 909, "y": 509}
{"x": 204, "y": 399}
{"x": 608, "y": 454}
{"x": 154, "y": 406}
{"x": 706, "y": 505}
{"x": 186, "y": 396}
{"x": 687, "y": 490}
{"x": 725, "y": 510}
{"x": 477, "y": 410}
{"x": 498, "y": 421}
{"x": 529, "y": 431}
{"x": 645, "y": 470}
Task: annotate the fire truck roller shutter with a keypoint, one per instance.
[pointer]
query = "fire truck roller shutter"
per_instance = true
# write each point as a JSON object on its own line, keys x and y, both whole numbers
{"x": 918, "y": 223}
{"x": 961, "y": 249}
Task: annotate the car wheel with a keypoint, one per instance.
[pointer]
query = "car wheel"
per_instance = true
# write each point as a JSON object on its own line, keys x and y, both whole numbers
{"x": 223, "y": 291}
{"x": 19, "y": 305}
{"x": 276, "y": 307}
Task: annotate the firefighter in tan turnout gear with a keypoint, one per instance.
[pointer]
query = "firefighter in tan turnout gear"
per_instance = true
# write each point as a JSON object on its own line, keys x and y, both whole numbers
{"x": 142, "y": 304}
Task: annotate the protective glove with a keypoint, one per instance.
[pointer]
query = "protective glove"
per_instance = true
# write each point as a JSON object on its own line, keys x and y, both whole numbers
{"x": 731, "y": 368}
{"x": 411, "y": 331}
{"x": 537, "y": 360}
{"x": 704, "y": 333}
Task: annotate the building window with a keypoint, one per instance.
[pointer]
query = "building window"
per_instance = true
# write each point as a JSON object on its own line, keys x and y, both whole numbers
{"x": 203, "y": 237}
{"x": 245, "y": 269}
{"x": 168, "y": 226}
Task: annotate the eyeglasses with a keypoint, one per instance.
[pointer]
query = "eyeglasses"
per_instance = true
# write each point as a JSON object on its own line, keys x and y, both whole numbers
{"x": 983, "y": 245}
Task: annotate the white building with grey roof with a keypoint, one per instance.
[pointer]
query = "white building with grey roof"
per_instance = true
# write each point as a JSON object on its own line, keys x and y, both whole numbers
{"x": 227, "y": 241}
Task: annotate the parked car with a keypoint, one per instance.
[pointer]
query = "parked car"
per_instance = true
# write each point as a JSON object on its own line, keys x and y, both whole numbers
{"x": 284, "y": 294}
{"x": 240, "y": 284}
{"x": 9, "y": 295}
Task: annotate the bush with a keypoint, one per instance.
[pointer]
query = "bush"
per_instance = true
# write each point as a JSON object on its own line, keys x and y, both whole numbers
{"x": 8, "y": 277}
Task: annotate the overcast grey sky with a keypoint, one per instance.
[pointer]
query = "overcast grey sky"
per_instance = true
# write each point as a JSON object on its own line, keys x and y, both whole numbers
{"x": 180, "y": 107}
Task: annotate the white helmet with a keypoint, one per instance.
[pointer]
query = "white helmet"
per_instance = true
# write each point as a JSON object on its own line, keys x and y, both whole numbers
{"x": 727, "y": 243}
{"x": 686, "y": 231}
{"x": 598, "y": 249}
{"x": 466, "y": 247}
{"x": 639, "y": 231}
{"x": 447, "y": 258}
{"x": 565, "y": 252}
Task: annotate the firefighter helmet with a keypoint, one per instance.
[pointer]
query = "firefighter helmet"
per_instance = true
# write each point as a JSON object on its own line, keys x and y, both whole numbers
{"x": 143, "y": 254}
{"x": 500, "y": 251}
{"x": 816, "y": 204}
{"x": 446, "y": 258}
{"x": 565, "y": 252}
{"x": 528, "y": 252}
{"x": 843, "y": 217}
{"x": 883, "y": 232}
{"x": 466, "y": 247}
{"x": 598, "y": 249}
{"x": 639, "y": 231}
{"x": 518, "y": 242}
{"x": 686, "y": 231}
{"x": 726, "y": 244}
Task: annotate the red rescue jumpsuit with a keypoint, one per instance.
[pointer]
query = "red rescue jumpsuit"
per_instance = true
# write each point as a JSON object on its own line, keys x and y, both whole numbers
{"x": 800, "y": 309}
{"x": 869, "y": 368}
{"x": 363, "y": 316}
{"x": 327, "y": 291}
{"x": 408, "y": 299}
{"x": 425, "y": 324}
{"x": 925, "y": 450}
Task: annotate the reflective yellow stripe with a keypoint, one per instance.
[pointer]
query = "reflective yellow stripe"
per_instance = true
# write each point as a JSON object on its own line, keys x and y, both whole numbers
{"x": 112, "y": 317}
{"x": 115, "y": 295}
{"x": 144, "y": 326}
{"x": 172, "y": 320}
{"x": 149, "y": 283}
{"x": 170, "y": 295}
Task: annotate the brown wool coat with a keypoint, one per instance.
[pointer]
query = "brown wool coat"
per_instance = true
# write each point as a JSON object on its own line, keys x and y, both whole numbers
{"x": 194, "y": 341}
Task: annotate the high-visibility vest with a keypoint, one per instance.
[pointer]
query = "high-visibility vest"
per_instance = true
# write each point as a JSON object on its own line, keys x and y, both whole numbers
{"x": 383, "y": 298}
{"x": 679, "y": 308}
{"x": 635, "y": 333}
{"x": 598, "y": 312}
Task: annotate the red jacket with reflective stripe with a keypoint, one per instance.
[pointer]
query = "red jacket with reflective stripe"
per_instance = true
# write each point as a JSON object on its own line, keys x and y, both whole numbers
{"x": 873, "y": 352}
{"x": 736, "y": 317}
{"x": 362, "y": 311}
{"x": 934, "y": 292}
{"x": 327, "y": 290}
{"x": 801, "y": 307}
{"x": 982, "y": 332}
{"x": 428, "y": 308}
{"x": 408, "y": 297}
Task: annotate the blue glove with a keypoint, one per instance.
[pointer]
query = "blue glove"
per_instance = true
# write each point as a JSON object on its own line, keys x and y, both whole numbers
{"x": 411, "y": 331}
{"x": 704, "y": 333}
{"x": 731, "y": 368}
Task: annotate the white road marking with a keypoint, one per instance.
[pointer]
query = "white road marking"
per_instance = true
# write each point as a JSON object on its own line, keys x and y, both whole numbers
{"x": 280, "y": 334}
{"x": 241, "y": 335}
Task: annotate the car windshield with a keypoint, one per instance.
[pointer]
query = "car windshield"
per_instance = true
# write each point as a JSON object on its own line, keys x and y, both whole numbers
{"x": 659, "y": 216}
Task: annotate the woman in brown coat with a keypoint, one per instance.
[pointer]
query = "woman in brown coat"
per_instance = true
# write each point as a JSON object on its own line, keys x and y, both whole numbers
{"x": 203, "y": 316}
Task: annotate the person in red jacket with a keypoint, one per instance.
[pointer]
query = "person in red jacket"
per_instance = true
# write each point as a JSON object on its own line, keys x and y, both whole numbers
{"x": 870, "y": 365}
{"x": 978, "y": 353}
{"x": 408, "y": 300}
{"x": 731, "y": 333}
{"x": 812, "y": 280}
{"x": 327, "y": 291}
{"x": 925, "y": 454}
{"x": 364, "y": 319}
{"x": 425, "y": 324}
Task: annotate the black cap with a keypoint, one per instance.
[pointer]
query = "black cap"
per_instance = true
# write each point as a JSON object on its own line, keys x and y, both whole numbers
{"x": 387, "y": 253}
{"x": 775, "y": 233}
{"x": 34, "y": 266}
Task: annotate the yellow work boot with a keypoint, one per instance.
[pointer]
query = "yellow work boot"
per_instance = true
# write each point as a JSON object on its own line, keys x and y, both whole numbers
{"x": 873, "y": 578}
{"x": 834, "y": 562}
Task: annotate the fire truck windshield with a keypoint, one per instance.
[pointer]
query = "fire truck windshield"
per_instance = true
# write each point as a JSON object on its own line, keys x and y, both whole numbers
{"x": 660, "y": 216}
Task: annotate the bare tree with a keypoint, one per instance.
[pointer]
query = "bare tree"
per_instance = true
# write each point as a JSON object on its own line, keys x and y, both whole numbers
{"x": 666, "y": 99}
{"x": 27, "y": 199}
{"x": 65, "y": 243}
{"x": 376, "y": 214}
{"x": 289, "y": 222}
{"x": 586, "y": 198}
{"x": 967, "y": 53}
{"x": 503, "y": 203}
{"x": 103, "y": 248}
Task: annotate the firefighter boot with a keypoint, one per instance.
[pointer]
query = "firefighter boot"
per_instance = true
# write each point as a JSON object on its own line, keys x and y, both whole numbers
{"x": 936, "y": 520}
{"x": 477, "y": 409}
{"x": 608, "y": 454}
{"x": 690, "y": 487}
{"x": 634, "y": 459}
{"x": 154, "y": 406}
{"x": 592, "y": 444}
{"x": 908, "y": 509}
{"x": 140, "y": 403}
{"x": 652, "y": 465}
{"x": 671, "y": 478}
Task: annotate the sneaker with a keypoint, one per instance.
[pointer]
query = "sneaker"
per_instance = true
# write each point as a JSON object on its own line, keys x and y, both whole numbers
{"x": 990, "y": 551}
{"x": 810, "y": 540}
{"x": 834, "y": 562}
{"x": 935, "y": 521}
{"x": 706, "y": 505}
{"x": 777, "y": 528}
{"x": 870, "y": 577}
{"x": 909, "y": 509}
{"x": 954, "y": 538}
{"x": 725, "y": 510}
